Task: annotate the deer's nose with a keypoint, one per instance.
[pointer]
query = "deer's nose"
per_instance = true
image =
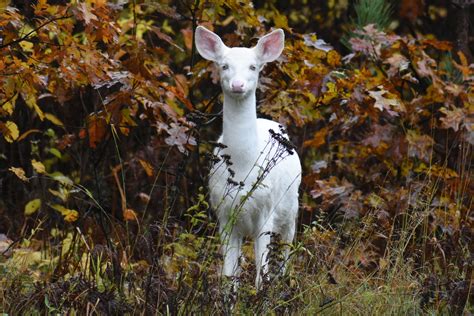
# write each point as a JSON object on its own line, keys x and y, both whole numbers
{"x": 237, "y": 85}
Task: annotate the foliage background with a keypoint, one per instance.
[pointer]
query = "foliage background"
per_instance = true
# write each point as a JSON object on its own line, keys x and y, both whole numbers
{"x": 107, "y": 112}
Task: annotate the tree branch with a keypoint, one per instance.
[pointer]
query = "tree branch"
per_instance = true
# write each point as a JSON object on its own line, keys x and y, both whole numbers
{"x": 25, "y": 37}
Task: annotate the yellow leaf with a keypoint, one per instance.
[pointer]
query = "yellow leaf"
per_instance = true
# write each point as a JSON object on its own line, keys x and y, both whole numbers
{"x": 53, "y": 119}
{"x": 333, "y": 58}
{"x": 9, "y": 130}
{"x": 61, "y": 209}
{"x": 280, "y": 21}
{"x": 27, "y": 46}
{"x": 32, "y": 206}
{"x": 9, "y": 106}
{"x": 31, "y": 102}
{"x": 68, "y": 214}
{"x": 330, "y": 93}
{"x": 129, "y": 215}
{"x": 19, "y": 172}
{"x": 71, "y": 216}
{"x": 38, "y": 166}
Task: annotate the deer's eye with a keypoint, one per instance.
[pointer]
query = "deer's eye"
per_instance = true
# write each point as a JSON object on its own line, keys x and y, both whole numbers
{"x": 225, "y": 67}
{"x": 253, "y": 68}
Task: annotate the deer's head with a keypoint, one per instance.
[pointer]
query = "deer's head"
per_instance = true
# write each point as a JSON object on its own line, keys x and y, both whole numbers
{"x": 239, "y": 66}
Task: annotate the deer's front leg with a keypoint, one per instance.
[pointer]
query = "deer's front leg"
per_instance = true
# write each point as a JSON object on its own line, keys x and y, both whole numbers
{"x": 231, "y": 250}
{"x": 261, "y": 254}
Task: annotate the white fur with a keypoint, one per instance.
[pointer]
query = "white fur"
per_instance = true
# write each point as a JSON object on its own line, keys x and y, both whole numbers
{"x": 262, "y": 204}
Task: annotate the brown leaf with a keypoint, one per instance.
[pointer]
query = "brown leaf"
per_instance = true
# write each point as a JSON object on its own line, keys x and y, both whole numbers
{"x": 188, "y": 37}
{"x": 97, "y": 129}
{"x": 386, "y": 104}
{"x": 411, "y": 9}
{"x": 419, "y": 145}
{"x": 397, "y": 64}
{"x": 165, "y": 37}
{"x": 452, "y": 119}
{"x": 379, "y": 133}
{"x": 85, "y": 13}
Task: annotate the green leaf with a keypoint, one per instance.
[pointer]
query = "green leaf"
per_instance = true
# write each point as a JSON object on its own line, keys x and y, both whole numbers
{"x": 32, "y": 206}
{"x": 55, "y": 152}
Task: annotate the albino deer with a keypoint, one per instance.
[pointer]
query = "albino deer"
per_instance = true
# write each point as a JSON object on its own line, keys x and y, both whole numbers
{"x": 254, "y": 189}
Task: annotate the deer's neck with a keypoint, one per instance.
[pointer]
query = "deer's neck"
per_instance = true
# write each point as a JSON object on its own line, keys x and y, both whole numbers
{"x": 240, "y": 131}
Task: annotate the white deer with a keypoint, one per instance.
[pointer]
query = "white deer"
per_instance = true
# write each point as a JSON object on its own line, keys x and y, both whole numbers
{"x": 254, "y": 189}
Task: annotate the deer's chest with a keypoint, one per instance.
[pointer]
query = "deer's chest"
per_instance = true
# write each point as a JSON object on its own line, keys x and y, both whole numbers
{"x": 244, "y": 199}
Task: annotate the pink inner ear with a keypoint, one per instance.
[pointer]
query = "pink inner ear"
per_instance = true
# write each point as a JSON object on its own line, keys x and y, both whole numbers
{"x": 209, "y": 41}
{"x": 271, "y": 46}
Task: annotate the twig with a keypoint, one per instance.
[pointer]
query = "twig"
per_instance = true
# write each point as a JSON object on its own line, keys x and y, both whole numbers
{"x": 25, "y": 37}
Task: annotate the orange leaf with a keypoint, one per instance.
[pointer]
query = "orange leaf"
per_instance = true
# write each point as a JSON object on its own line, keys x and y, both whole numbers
{"x": 130, "y": 215}
{"x": 464, "y": 67}
{"x": 97, "y": 130}
{"x": 318, "y": 140}
{"x": 147, "y": 167}
{"x": 25, "y": 134}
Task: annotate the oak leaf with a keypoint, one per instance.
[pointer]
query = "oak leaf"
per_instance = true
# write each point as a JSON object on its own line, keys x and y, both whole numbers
{"x": 452, "y": 119}
{"x": 385, "y": 104}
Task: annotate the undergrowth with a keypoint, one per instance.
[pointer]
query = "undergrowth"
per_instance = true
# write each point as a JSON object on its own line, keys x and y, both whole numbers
{"x": 106, "y": 115}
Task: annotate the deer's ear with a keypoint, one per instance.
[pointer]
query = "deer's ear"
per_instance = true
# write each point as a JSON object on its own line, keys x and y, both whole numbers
{"x": 209, "y": 44}
{"x": 270, "y": 46}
